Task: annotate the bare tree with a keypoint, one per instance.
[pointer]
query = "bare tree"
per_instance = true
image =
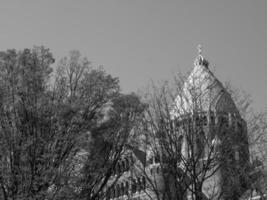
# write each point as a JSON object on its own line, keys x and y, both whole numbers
{"x": 178, "y": 171}
{"x": 198, "y": 140}
{"x": 257, "y": 136}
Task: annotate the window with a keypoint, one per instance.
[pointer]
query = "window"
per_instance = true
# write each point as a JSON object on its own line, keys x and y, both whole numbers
{"x": 122, "y": 189}
{"x": 127, "y": 164}
{"x": 236, "y": 154}
{"x": 143, "y": 183}
{"x": 112, "y": 193}
{"x": 180, "y": 143}
{"x": 134, "y": 186}
{"x": 198, "y": 121}
{"x": 205, "y": 121}
{"x": 117, "y": 191}
{"x": 139, "y": 184}
{"x": 223, "y": 120}
{"x": 150, "y": 160}
{"x": 157, "y": 158}
{"x": 126, "y": 188}
{"x": 109, "y": 194}
{"x": 201, "y": 144}
{"x": 212, "y": 120}
{"x": 118, "y": 168}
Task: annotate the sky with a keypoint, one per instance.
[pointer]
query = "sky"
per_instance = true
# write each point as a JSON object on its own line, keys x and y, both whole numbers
{"x": 143, "y": 40}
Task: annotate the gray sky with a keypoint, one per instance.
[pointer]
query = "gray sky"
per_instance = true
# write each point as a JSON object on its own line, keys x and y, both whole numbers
{"x": 142, "y": 40}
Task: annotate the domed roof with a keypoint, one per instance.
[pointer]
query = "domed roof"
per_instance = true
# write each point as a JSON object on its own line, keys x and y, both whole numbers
{"x": 202, "y": 91}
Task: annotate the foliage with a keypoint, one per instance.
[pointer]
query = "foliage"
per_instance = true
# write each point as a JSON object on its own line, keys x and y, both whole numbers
{"x": 56, "y": 137}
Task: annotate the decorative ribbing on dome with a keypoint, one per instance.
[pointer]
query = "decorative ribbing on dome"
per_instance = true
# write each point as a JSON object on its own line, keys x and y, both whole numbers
{"x": 202, "y": 89}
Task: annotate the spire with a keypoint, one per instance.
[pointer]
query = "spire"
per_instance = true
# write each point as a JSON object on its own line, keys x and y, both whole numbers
{"x": 200, "y": 60}
{"x": 199, "y": 48}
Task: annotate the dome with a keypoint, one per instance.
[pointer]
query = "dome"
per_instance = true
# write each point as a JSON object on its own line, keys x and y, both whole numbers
{"x": 202, "y": 91}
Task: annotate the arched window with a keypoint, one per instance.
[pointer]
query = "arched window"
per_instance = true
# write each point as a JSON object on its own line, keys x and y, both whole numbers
{"x": 113, "y": 172}
{"x": 180, "y": 143}
{"x": 126, "y": 189}
{"x": 108, "y": 194}
{"x": 201, "y": 144}
{"x": 123, "y": 166}
{"x": 177, "y": 124}
{"x": 157, "y": 170}
{"x": 134, "y": 186}
{"x": 225, "y": 121}
{"x": 127, "y": 164}
{"x": 150, "y": 160}
{"x": 216, "y": 142}
{"x": 139, "y": 184}
{"x": 212, "y": 119}
{"x": 240, "y": 127}
{"x": 121, "y": 189}
{"x": 112, "y": 193}
{"x": 198, "y": 121}
{"x": 117, "y": 191}
{"x": 236, "y": 150}
{"x": 143, "y": 183}
{"x": 205, "y": 121}
{"x": 119, "y": 168}
{"x": 157, "y": 158}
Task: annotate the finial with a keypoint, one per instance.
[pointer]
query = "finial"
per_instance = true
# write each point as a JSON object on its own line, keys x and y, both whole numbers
{"x": 200, "y": 59}
{"x": 199, "y": 48}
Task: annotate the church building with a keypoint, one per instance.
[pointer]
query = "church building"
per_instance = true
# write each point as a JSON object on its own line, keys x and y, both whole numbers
{"x": 214, "y": 152}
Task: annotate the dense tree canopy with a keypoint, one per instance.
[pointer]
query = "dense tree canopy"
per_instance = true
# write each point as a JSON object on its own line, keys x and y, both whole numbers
{"x": 46, "y": 128}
